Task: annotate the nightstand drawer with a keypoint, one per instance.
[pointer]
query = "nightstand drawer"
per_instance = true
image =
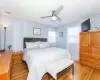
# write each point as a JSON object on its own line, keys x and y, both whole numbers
{"x": 15, "y": 54}
{"x": 17, "y": 61}
{"x": 17, "y": 57}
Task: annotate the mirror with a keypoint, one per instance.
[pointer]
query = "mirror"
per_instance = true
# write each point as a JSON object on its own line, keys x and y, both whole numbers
{"x": 1, "y": 38}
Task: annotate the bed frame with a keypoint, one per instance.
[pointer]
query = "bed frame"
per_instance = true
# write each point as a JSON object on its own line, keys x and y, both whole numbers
{"x": 33, "y": 40}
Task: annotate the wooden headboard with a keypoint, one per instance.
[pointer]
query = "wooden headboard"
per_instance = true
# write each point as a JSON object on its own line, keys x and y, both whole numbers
{"x": 33, "y": 40}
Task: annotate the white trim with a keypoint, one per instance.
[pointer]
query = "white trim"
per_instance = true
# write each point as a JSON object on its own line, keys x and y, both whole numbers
{"x": 74, "y": 58}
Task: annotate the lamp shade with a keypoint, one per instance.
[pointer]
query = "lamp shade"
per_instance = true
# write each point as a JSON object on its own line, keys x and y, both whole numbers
{"x": 5, "y": 25}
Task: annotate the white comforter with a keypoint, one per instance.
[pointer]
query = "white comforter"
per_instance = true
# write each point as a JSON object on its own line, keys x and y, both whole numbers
{"x": 38, "y": 60}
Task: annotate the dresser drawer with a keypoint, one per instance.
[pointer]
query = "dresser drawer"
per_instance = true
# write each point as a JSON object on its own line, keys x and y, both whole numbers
{"x": 17, "y": 55}
{"x": 93, "y": 63}
{"x": 90, "y": 60}
{"x": 88, "y": 56}
{"x": 17, "y": 61}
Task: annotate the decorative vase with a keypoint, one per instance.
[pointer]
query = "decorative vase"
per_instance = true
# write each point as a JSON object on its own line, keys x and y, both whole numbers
{"x": 9, "y": 47}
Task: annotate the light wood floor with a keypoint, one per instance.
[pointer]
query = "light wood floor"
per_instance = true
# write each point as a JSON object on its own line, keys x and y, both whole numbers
{"x": 82, "y": 72}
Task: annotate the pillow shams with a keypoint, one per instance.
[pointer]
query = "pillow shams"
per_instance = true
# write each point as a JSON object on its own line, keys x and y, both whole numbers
{"x": 44, "y": 45}
{"x": 33, "y": 45}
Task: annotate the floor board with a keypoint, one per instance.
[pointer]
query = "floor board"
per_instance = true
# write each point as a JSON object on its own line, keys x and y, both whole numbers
{"x": 82, "y": 72}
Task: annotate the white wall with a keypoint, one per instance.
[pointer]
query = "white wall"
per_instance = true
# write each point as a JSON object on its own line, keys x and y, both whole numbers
{"x": 1, "y": 36}
{"x": 18, "y": 29}
{"x": 61, "y": 41}
{"x": 95, "y": 22}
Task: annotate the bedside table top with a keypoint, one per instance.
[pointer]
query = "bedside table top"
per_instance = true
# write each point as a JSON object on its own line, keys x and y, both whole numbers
{"x": 17, "y": 53}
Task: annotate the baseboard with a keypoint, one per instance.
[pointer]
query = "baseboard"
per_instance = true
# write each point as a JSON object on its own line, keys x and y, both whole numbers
{"x": 75, "y": 58}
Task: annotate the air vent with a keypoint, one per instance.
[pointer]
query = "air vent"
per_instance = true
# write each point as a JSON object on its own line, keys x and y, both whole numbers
{"x": 7, "y": 12}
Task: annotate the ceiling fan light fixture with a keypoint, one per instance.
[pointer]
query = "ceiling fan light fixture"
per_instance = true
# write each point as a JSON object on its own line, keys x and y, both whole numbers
{"x": 54, "y": 18}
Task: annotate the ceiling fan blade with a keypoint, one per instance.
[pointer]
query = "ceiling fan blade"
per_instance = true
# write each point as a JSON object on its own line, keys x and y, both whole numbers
{"x": 58, "y": 18}
{"x": 46, "y": 16}
{"x": 58, "y": 10}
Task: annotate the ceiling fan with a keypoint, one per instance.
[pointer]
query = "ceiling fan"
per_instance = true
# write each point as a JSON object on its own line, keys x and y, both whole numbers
{"x": 55, "y": 13}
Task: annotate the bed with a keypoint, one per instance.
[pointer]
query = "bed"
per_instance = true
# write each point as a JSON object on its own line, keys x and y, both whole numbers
{"x": 38, "y": 60}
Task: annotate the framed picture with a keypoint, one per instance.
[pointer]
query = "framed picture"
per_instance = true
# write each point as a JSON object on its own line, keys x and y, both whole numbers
{"x": 60, "y": 34}
{"x": 36, "y": 31}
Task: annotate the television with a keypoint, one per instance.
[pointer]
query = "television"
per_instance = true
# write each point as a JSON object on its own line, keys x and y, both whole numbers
{"x": 86, "y": 26}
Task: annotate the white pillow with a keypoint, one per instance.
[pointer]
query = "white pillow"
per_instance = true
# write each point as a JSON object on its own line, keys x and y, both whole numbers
{"x": 44, "y": 45}
{"x": 33, "y": 45}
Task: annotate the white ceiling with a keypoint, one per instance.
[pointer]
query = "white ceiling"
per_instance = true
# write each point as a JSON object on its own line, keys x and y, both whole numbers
{"x": 74, "y": 10}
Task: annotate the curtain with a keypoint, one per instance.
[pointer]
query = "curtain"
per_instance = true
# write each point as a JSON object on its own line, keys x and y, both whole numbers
{"x": 73, "y": 40}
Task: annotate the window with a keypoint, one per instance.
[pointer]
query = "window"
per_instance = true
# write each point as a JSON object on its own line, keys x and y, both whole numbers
{"x": 51, "y": 36}
{"x": 73, "y": 34}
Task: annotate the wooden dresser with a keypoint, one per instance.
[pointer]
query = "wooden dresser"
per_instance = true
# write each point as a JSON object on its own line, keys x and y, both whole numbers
{"x": 90, "y": 48}
{"x": 5, "y": 65}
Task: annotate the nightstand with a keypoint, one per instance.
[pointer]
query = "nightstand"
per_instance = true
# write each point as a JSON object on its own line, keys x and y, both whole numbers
{"x": 17, "y": 57}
